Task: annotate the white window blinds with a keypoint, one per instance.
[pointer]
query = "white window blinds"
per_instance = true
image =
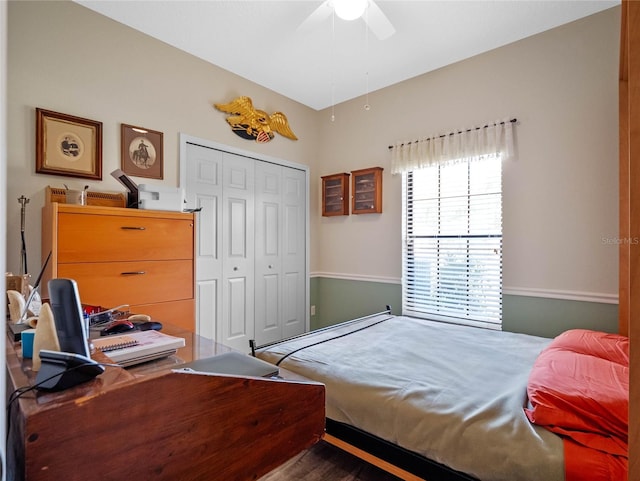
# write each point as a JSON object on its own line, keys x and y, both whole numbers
{"x": 452, "y": 249}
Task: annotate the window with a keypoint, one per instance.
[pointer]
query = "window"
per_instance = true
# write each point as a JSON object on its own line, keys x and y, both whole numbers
{"x": 452, "y": 249}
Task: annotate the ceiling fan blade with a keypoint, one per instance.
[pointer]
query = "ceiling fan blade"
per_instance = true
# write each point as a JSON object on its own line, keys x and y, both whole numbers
{"x": 317, "y": 16}
{"x": 378, "y": 21}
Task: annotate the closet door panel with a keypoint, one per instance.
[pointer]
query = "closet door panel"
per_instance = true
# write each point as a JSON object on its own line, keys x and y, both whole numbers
{"x": 270, "y": 212}
{"x": 207, "y": 294}
{"x": 294, "y": 253}
{"x": 204, "y": 191}
{"x": 268, "y": 277}
{"x": 208, "y": 243}
{"x": 238, "y": 319}
{"x": 268, "y": 312}
{"x": 268, "y": 201}
{"x": 293, "y": 319}
{"x": 238, "y": 252}
{"x": 237, "y": 229}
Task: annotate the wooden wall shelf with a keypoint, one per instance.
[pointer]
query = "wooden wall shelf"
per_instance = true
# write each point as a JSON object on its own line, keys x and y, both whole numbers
{"x": 335, "y": 194}
{"x": 366, "y": 191}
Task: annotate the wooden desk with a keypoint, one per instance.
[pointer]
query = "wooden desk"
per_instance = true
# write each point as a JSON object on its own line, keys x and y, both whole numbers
{"x": 147, "y": 422}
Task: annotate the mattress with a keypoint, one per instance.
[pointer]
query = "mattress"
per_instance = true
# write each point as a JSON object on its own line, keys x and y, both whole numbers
{"x": 454, "y": 394}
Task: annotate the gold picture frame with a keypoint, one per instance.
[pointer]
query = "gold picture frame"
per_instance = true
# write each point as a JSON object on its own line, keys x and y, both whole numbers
{"x": 141, "y": 152}
{"x": 68, "y": 145}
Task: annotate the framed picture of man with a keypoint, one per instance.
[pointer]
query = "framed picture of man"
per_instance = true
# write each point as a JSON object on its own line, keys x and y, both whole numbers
{"x": 141, "y": 152}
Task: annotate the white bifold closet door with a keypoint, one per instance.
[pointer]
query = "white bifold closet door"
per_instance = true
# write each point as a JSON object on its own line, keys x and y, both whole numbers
{"x": 250, "y": 248}
{"x": 203, "y": 189}
{"x": 279, "y": 252}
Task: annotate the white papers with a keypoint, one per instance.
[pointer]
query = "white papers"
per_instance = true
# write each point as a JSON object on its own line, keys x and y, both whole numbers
{"x": 150, "y": 345}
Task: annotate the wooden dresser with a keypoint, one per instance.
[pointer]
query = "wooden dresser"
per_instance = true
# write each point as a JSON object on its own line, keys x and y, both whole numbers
{"x": 117, "y": 256}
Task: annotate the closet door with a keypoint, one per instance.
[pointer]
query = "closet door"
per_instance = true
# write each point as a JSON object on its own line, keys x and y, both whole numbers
{"x": 236, "y": 327}
{"x": 280, "y": 295}
{"x": 204, "y": 190}
{"x": 294, "y": 265}
{"x": 251, "y": 246}
{"x": 268, "y": 249}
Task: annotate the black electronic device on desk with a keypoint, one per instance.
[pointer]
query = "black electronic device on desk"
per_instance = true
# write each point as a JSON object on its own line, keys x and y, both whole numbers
{"x": 73, "y": 365}
{"x": 117, "y": 327}
{"x": 148, "y": 326}
{"x": 16, "y": 329}
{"x": 133, "y": 191}
{"x": 62, "y": 370}
{"x": 137, "y": 322}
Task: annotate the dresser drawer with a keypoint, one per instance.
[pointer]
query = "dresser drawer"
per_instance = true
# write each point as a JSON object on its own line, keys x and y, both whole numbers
{"x": 141, "y": 282}
{"x": 96, "y": 238}
{"x": 177, "y": 313}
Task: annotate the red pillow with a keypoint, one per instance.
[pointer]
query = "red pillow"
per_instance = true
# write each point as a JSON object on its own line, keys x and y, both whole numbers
{"x": 579, "y": 388}
{"x": 612, "y": 347}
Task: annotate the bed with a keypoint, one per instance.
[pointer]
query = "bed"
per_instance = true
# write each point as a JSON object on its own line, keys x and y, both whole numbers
{"x": 448, "y": 402}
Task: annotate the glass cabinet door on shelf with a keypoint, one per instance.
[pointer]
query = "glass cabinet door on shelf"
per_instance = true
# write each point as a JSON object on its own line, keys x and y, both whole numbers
{"x": 335, "y": 194}
{"x": 367, "y": 191}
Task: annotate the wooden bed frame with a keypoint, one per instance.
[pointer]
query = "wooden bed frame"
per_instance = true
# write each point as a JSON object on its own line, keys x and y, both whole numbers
{"x": 390, "y": 457}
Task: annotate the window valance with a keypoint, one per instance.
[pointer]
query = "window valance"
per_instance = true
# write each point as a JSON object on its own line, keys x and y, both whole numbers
{"x": 492, "y": 139}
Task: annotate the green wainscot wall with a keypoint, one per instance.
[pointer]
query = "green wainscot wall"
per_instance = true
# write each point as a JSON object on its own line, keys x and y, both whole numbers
{"x": 338, "y": 300}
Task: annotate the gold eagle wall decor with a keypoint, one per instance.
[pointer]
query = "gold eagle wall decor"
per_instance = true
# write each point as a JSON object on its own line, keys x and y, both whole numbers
{"x": 254, "y": 124}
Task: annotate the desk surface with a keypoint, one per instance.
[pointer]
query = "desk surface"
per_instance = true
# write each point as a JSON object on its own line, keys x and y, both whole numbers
{"x": 20, "y": 373}
{"x": 223, "y": 419}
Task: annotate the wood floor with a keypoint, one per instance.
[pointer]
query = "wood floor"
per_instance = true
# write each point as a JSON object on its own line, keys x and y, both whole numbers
{"x": 324, "y": 462}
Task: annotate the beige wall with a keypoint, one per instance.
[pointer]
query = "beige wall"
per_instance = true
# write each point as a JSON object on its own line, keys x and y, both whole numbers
{"x": 66, "y": 58}
{"x": 560, "y": 194}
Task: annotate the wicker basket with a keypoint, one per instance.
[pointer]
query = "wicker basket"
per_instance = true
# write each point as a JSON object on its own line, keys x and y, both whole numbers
{"x": 106, "y": 199}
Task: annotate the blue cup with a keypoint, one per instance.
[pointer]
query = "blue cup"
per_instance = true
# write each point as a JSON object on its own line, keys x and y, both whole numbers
{"x": 27, "y": 342}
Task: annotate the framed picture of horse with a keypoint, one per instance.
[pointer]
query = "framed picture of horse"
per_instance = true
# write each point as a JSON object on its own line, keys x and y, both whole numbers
{"x": 68, "y": 145}
{"x": 141, "y": 152}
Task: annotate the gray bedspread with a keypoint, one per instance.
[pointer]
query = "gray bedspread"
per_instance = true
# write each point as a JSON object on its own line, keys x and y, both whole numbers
{"x": 451, "y": 393}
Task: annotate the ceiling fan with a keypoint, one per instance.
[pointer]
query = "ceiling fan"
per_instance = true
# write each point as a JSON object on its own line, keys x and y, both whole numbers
{"x": 373, "y": 16}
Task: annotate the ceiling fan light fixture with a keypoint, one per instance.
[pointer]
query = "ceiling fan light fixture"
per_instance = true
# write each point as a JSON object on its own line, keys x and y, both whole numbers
{"x": 349, "y": 9}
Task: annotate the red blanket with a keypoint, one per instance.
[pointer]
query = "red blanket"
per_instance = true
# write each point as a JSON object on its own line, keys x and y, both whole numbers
{"x": 579, "y": 389}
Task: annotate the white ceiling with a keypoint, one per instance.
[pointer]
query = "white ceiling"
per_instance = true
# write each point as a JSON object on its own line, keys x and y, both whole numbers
{"x": 339, "y": 60}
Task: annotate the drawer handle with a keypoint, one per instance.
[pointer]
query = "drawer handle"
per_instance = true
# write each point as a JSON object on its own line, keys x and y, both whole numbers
{"x": 133, "y": 273}
{"x": 125, "y": 227}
